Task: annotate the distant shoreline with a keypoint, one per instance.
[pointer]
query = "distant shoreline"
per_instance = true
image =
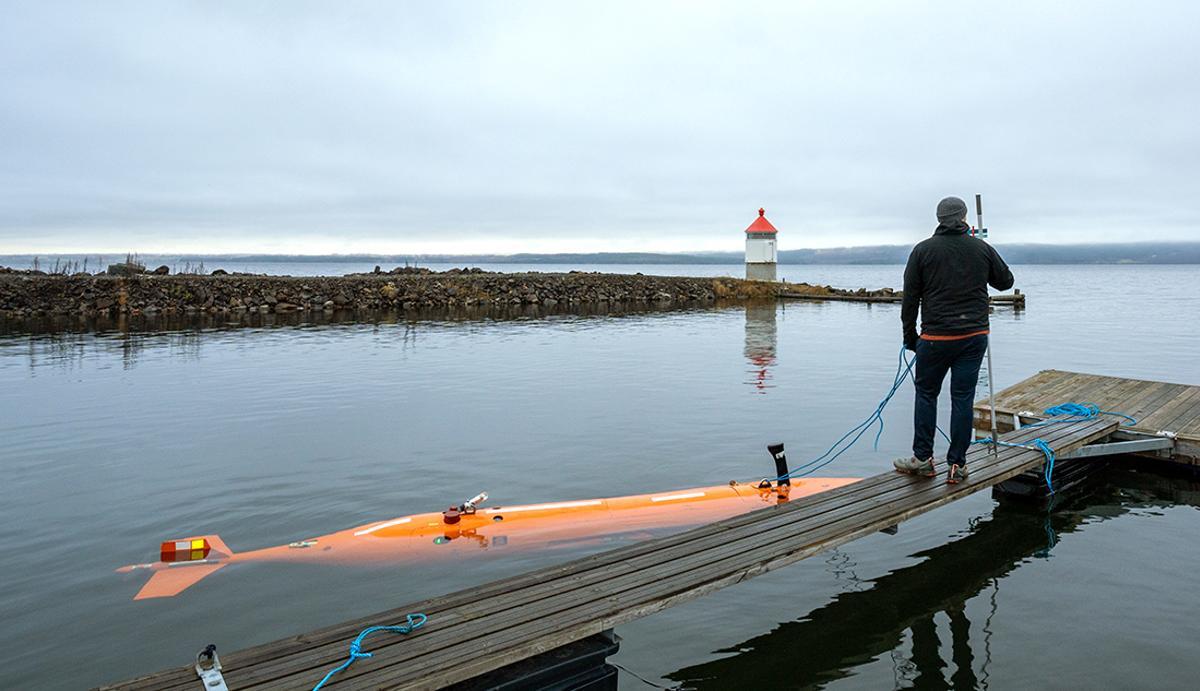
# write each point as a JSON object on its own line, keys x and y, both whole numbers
{"x": 1142, "y": 253}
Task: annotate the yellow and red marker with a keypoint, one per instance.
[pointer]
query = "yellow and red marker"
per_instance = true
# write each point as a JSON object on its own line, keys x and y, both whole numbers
{"x": 192, "y": 549}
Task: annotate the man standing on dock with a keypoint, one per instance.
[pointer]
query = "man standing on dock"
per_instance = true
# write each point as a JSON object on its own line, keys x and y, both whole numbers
{"x": 947, "y": 278}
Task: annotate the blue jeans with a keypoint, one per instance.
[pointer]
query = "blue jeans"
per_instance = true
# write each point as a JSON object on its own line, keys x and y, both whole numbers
{"x": 962, "y": 359}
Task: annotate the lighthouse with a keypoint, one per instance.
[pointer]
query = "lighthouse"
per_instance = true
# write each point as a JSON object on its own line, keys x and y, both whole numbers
{"x": 760, "y": 249}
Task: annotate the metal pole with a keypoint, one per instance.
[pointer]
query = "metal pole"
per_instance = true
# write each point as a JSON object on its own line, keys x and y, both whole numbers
{"x": 992, "y": 395}
{"x": 979, "y": 214}
{"x": 991, "y": 379}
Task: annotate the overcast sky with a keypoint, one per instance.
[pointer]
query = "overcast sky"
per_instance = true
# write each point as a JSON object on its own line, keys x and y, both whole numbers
{"x": 303, "y": 127}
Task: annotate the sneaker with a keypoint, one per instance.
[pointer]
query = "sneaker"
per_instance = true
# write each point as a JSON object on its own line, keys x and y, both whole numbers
{"x": 957, "y": 474}
{"x": 915, "y": 466}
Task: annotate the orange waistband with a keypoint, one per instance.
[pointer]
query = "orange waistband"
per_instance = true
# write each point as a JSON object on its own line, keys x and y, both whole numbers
{"x": 958, "y": 337}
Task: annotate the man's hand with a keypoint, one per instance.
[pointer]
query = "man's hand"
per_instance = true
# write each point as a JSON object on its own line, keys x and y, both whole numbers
{"x": 910, "y": 343}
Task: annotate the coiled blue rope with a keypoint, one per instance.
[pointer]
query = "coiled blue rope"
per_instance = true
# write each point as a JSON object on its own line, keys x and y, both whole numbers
{"x": 1082, "y": 411}
{"x": 1074, "y": 412}
{"x": 414, "y": 622}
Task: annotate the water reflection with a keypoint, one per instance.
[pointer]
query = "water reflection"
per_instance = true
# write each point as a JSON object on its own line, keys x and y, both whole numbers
{"x": 900, "y": 614}
{"x": 100, "y": 324}
{"x": 64, "y": 340}
{"x": 762, "y": 339}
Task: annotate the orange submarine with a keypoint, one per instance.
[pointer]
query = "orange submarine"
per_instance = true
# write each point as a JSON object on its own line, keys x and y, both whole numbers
{"x": 469, "y": 527}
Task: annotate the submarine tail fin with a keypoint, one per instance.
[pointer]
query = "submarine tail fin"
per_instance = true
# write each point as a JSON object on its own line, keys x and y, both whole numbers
{"x": 171, "y": 581}
{"x": 184, "y": 563}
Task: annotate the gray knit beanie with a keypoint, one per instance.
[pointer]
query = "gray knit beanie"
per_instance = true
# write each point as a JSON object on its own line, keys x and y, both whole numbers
{"x": 951, "y": 209}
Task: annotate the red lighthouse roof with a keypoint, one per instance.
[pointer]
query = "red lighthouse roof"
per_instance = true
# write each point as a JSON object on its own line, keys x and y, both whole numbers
{"x": 761, "y": 225}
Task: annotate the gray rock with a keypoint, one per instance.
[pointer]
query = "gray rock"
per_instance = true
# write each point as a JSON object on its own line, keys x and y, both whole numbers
{"x": 126, "y": 269}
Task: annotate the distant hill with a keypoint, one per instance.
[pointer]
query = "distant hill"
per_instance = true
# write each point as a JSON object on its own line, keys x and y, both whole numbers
{"x": 1122, "y": 253}
{"x": 1117, "y": 253}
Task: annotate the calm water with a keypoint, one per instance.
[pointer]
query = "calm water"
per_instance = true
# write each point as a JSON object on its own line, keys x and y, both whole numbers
{"x": 113, "y": 441}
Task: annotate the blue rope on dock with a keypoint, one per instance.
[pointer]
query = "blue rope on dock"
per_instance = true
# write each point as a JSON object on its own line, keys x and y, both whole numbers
{"x": 1064, "y": 412}
{"x": 903, "y": 372}
{"x": 1039, "y": 444}
{"x": 1073, "y": 412}
{"x": 1077, "y": 412}
{"x": 414, "y": 622}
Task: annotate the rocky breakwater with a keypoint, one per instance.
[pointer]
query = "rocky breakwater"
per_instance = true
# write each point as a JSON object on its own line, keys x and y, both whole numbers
{"x": 26, "y": 294}
{"x": 819, "y": 292}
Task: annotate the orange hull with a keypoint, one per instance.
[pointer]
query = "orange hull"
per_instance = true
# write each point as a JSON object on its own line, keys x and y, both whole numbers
{"x": 429, "y": 536}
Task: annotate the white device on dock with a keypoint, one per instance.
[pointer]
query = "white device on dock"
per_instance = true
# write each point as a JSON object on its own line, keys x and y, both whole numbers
{"x": 208, "y": 668}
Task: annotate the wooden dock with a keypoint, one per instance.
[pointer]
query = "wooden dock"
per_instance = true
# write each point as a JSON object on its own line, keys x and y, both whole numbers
{"x": 1015, "y": 299}
{"x": 1168, "y": 415}
{"x": 475, "y": 631}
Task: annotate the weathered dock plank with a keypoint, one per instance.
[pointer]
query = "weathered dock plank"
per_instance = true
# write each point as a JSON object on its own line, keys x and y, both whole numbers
{"x": 481, "y": 629}
{"x": 1160, "y": 408}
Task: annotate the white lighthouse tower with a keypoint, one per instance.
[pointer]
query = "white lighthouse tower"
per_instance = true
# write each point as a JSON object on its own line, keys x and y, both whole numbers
{"x": 760, "y": 249}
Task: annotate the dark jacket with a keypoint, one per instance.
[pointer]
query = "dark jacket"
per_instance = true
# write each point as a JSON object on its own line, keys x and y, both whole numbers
{"x": 947, "y": 276}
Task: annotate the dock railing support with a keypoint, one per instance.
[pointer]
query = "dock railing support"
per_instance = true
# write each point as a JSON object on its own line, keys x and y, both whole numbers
{"x": 1119, "y": 447}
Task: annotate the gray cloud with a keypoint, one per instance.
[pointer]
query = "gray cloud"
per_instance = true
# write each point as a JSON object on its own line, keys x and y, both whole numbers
{"x": 390, "y": 127}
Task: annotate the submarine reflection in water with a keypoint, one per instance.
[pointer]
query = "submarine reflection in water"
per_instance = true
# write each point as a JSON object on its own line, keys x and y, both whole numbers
{"x": 762, "y": 338}
{"x": 472, "y": 529}
{"x": 858, "y": 627}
